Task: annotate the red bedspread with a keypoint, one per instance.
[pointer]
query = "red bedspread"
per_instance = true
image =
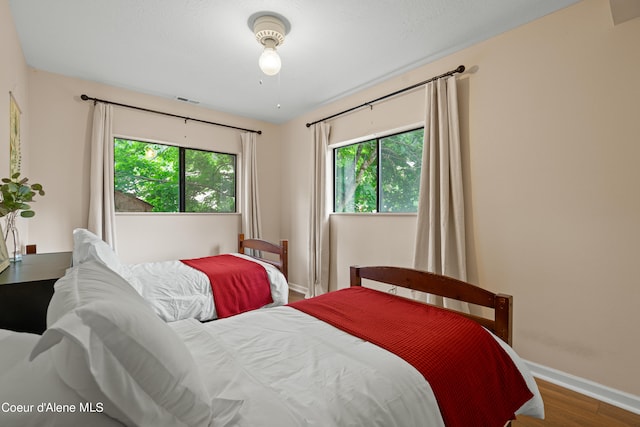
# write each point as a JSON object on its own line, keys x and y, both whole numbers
{"x": 475, "y": 382}
{"x": 238, "y": 284}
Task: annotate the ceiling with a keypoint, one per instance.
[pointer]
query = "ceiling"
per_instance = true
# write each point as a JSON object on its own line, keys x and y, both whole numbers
{"x": 205, "y": 51}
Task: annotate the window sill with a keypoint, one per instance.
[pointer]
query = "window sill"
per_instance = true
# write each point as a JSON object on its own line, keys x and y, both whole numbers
{"x": 173, "y": 213}
{"x": 373, "y": 214}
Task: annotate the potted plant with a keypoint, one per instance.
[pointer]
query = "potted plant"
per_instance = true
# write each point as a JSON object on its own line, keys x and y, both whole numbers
{"x": 17, "y": 193}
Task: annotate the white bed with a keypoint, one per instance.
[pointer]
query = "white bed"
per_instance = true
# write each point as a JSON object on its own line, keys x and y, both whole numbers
{"x": 276, "y": 380}
{"x": 106, "y": 349}
{"x": 277, "y": 367}
{"x": 175, "y": 290}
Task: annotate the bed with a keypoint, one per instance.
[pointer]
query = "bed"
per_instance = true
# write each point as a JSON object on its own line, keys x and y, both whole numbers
{"x": 254, "y": 277}
{"x": 111, "y": 357}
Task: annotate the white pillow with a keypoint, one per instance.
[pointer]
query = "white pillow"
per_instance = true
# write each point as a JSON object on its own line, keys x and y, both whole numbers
{"x": 89, "y": 247}
{"x": 12, "y": 346}
{"x": 85, "y": 283}
{"x": 36, "y": 386}
{"x": 126, "y": 357}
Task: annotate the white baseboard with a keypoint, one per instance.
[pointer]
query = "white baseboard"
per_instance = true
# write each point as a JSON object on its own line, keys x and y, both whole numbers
{"x": 621, "y": 399}
{"x": 298, "y": 288}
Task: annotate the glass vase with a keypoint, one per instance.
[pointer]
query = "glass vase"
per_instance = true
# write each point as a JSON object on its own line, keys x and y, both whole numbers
{"x": 12, "y": 239}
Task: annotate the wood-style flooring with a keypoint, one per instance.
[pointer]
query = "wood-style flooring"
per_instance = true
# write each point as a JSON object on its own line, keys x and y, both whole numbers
{"x": 565, "y": 408}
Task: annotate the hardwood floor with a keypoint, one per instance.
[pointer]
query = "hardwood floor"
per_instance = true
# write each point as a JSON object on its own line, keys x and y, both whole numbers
{"x": 564, "y": 407}
{"x": 567, "y": 408}
{"x": 295, "y": 296}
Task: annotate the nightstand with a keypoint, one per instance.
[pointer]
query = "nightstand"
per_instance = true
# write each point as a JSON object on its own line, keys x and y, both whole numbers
{"x": 26, "y": 288}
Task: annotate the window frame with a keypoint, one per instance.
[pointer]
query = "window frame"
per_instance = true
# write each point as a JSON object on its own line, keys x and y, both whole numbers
{"x": 377, "y": 137}
{"x": 182, "y": 184}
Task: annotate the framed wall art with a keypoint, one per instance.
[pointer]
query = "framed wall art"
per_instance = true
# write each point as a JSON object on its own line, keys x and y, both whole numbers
{"x": 14, "y": 136}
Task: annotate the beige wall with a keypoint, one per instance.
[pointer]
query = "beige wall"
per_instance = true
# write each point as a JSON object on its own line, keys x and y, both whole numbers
{"x": 14, "y": 79}
{"x": 550, "y": 125}
{"x": 60, "y": 155}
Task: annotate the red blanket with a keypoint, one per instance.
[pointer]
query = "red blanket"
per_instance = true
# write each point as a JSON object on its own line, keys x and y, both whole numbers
{"x": 475, "y": 382}
{"x": 238, "y": 284}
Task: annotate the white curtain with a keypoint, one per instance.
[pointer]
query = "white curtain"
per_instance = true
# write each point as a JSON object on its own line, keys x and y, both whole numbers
{"x": 319, "y": 215}
{"x": 250, "y": 202}
{"x": 101, "y": 199}
{"x": 440, "y": 239}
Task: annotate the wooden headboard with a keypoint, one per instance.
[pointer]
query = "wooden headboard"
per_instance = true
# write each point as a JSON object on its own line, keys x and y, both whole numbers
{"x": 448, "y": 287}
{"x": 281, "y": 250}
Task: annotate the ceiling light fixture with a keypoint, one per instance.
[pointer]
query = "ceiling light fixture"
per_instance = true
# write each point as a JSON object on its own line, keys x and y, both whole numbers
{"x": 269, "y": 30}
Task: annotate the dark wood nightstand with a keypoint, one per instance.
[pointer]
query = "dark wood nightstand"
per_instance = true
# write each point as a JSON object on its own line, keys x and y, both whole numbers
{"x": 26, "y": 288}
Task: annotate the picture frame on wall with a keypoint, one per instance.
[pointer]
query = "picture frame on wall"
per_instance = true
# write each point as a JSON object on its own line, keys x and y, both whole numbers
{"x": 15, "y": 156}
{"x": 4, "y": 253}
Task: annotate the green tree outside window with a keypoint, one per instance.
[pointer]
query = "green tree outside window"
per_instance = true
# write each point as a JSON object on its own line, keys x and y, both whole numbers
{"x": 379, "y": 175}
{"x": 150, "y": 175}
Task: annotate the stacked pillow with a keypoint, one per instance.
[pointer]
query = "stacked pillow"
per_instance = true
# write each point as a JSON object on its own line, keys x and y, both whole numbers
{"x": 109, "y": 346}
{"x": 89, "y": 247}
{"x": 95, "y": 281}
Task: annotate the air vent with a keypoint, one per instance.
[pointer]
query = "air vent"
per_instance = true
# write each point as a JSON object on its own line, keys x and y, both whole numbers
{"x": 183, "y": 99}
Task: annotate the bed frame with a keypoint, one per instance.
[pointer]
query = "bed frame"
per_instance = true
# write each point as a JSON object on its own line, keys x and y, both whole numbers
{"x": 281, "y": 251}
{"x": 431, "y": 283}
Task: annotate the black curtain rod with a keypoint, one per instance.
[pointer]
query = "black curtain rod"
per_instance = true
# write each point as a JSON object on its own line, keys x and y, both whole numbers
{"x": 460, "y": 69}
{"x": 88, "y": 98}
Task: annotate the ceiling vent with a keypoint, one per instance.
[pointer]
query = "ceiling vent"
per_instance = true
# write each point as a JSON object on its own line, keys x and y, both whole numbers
{"x": 183, "y": 99}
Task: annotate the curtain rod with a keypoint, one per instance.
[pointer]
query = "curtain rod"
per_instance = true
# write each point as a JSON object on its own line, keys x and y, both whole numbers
{"x": 460, "y": 69}
{"x": 88, "y": 98}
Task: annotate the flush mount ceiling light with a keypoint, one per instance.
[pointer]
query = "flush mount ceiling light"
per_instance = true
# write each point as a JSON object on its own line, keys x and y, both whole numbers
{"x": 269, "y": 29}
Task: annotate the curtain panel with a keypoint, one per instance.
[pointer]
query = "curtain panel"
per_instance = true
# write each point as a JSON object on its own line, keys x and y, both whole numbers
{"x": 440, "y": 239}
{"x": 101, "y": 220}
{"x": 319, "y": 214}
{"x": 250, "y": 201}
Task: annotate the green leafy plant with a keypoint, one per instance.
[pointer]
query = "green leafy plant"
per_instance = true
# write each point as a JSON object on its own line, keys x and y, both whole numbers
{"x": 17, "y": 193}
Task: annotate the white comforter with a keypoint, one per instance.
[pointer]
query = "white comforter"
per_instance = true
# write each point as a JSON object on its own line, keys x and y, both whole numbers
{"x": 177, "y": 291}
{"x": 290, "y": 369}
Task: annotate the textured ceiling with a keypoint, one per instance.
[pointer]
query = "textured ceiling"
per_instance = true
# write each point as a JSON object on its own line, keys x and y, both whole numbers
{"x": 204, "y": 50}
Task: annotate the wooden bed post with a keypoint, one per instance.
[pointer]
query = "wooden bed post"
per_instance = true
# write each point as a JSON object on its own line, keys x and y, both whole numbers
{"x": 504, "y": 317}
{"x": 354, "y": 279}
{"x": 240, "y": 245}
{"x": 284, "y": 256}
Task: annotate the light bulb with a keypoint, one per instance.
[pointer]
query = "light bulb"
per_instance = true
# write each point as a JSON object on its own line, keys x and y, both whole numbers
{"x": 269, "y": 61}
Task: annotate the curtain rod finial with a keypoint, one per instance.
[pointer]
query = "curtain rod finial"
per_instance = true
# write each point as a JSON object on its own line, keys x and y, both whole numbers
{"x": 460, "y": 69}
{"x": 84, "y": 97}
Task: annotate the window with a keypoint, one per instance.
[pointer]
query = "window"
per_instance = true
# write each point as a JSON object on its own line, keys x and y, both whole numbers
{"x": 152, "y": 177}
{"x": 379, "y": 175}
